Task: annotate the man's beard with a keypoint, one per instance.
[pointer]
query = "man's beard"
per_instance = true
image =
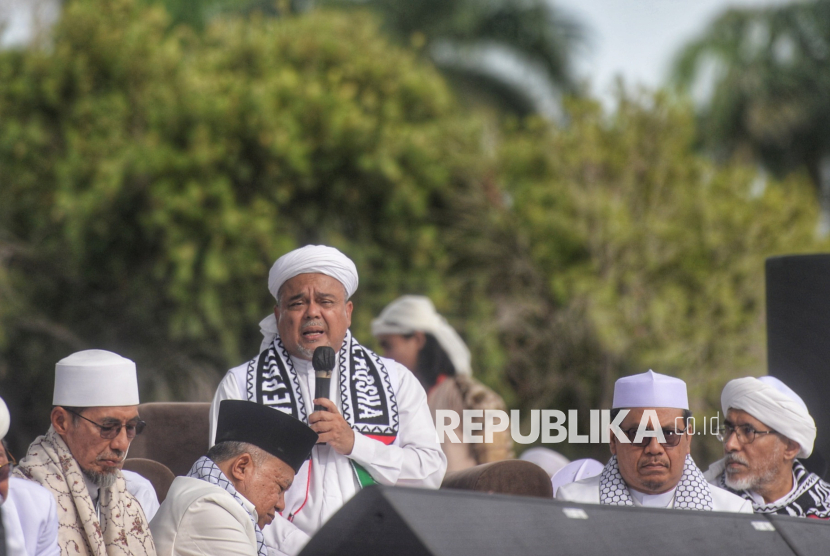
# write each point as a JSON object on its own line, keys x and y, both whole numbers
{"x": 756, "y": 480}
{"x": 104, "y": 479}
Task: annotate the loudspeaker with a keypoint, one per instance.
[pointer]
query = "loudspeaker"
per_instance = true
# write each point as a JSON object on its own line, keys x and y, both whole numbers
{"x": 416, "y": 522}
{"x": 798, "y": 336}
{"x": 804, "y": 535}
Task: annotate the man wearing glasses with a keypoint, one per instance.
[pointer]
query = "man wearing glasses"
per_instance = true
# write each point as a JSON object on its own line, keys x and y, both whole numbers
{"x": 767, "y": 427}
{"x": 650, "y": 463}
{"x": 79, "y": 459}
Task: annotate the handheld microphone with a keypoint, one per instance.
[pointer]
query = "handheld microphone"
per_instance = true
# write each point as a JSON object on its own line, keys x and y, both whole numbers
{"x": 323, "y": 363}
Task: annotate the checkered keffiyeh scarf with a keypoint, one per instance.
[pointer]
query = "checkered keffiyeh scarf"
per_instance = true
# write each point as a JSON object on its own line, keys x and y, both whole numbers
{"x": 206, "y": 470}
{"x": 692, "y": 491}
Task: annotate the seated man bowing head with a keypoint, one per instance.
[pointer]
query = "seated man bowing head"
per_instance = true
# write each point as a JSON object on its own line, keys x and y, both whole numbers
{"x": 644, "y": 469}
{"x": 237, "y": 488}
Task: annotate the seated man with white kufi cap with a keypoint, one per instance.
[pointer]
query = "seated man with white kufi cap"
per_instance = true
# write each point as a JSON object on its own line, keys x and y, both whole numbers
{"x": 238, "y": 488}
{"x": 651, "y": 465}
{"x": 375, "y": 426}
{"x": 767, "y": 427}
{"x": 79, "y": 459}
{"x": 412, "y": 333}
{"x": 29, "y": 512}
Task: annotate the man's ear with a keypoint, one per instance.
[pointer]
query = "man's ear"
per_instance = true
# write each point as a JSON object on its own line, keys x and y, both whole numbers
{"x": 60, "y": 420}
{"x": 612, "y": 444}
{"x": 242, "y": 467}
{"x": 792, "y": 449}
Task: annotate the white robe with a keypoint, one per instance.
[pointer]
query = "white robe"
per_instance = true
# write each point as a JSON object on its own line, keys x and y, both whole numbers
{"x": 414, "y": 459}
{"x": 198, "y": 518}
{"x": 143, "y": 491}
{"x": 587, "y": 491}
{"x": 30, "y": 516}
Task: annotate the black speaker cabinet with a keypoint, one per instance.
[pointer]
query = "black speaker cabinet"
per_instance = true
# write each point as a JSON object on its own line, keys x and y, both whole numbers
{"x": 805, "y": 536}
{"x": 415, "y": 522}
{"x": 798, "y": 336}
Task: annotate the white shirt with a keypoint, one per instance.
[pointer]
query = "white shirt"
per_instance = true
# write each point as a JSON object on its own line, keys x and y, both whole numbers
{"x": 413, "y": 459}
{"x": 663, "y": 500}
{"x": 30, "y": 516}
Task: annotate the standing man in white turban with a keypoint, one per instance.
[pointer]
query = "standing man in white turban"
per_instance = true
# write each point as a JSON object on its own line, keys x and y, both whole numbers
{"x": 375, "y": 426}
{"x": 767, "y": 427}
{"x": 651, "y": 465}
{"x": 79, "y": 459}
{"x": 411, "y": 332}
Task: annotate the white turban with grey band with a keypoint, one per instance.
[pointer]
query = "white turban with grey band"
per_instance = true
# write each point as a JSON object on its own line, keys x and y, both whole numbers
{"x": 311, "y": 259}
{"x": 416, "y": 313}
{"x": 773, "y": 403}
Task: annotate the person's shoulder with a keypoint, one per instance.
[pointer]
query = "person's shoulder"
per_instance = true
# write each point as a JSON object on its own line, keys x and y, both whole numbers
{"x": 725, "y": 501}
{"x": 584, "y": 490}
{"x": 27, "y": 489}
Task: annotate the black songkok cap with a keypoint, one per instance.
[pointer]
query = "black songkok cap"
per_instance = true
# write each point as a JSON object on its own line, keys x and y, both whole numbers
{"x": 277, "y": 433}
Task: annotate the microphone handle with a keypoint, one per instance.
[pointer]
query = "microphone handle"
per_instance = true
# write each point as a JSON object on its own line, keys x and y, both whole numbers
{"x": 321, "y": 389}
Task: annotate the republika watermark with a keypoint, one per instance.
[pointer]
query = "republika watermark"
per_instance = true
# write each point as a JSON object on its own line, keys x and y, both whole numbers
{"x": 554, "y": 426}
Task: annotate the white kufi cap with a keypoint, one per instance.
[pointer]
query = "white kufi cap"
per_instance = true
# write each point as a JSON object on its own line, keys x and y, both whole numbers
{"x": 650, "y": 390}
{"x": 5, "y": 419}
{"x": 773, "y": 403}
{"x": 416, "y": 313}
{"x": 95, "y": 378}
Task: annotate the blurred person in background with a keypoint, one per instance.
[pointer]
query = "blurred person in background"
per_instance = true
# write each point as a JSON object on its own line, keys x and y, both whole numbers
{"x": 767, "y": 427}
{"x": 79, "y": 459}
{"x": 29, "y": 514}
{"x": 411, "y": 332}
{"x": 374, "y": 424}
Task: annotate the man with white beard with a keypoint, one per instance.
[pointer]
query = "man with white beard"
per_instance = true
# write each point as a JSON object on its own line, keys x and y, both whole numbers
{"x": 767, "y": 427}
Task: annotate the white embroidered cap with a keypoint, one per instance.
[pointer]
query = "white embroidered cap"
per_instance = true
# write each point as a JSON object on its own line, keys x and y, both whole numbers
{"x": 313, "y": 259}
{"x": 416, "y": 313}
{"x": 5, "y": 419}
{"x": 95, "y": 378}
{"x": 773, "y": 403}
{"x": 650, "y": 390}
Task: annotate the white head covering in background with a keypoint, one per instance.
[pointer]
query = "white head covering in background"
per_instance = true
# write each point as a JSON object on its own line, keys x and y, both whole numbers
{"x": 5, "y": 419}
{"x": 773, "y": 403}
{"x": 416, "y": 313}
{"x": 95, "y": 378}
{"x": 549, "y": 460}
{"x": 311, "y": 259}
{"x": 650, "y": 390}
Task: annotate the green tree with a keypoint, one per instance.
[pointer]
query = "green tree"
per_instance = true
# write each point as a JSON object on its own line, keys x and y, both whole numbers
{"x": 765, "y": 80}
{"x": 150, "y": 178}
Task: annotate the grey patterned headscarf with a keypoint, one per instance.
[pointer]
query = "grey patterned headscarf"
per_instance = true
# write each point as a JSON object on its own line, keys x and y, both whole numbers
{"x": 692, "y": 491}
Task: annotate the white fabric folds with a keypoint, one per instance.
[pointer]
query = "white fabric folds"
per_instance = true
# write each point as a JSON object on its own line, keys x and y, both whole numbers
{"x": 770, "y": 401}
{"x": 313, "y": 259}
{"x": 416, "y": 313}
{"x": 95, "y": 378}
{"x": 5, "y": 419}
{"x": 650, "y": 390}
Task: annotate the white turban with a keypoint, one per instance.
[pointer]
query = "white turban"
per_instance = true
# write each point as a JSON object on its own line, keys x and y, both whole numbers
{"x": 5, "y": 419}
{"x": 770, "y": 401}
{"x": 311, "y": 259}
{"x": 416, "y": 313}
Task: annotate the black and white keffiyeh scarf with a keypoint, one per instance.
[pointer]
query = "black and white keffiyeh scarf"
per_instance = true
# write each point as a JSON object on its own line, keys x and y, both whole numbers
{"x": 692, "y": 491}
{"x": 810, "y": 498}
{"x": 366, "y": 397}
{"x": 206, "y": 470}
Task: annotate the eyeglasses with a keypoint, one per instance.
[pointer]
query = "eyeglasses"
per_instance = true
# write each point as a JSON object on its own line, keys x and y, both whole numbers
{"x": 746, "y": 434}
{"x": 111, "y": 431}
{"x": 671, "y": 436}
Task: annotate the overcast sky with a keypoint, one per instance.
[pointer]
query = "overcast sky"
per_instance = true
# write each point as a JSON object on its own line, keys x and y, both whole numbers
{"x": 638, "y": 38}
